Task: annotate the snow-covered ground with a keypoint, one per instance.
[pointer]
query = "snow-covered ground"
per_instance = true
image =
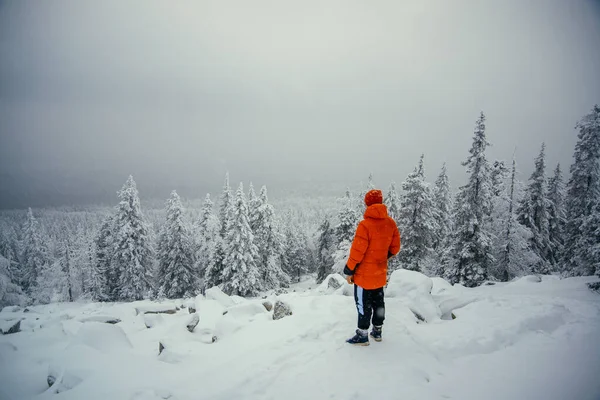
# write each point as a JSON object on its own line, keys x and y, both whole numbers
{"x": 521, "y": 340}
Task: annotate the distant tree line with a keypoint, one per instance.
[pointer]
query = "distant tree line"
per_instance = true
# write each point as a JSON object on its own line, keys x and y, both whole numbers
{"x": 493, "y": 228}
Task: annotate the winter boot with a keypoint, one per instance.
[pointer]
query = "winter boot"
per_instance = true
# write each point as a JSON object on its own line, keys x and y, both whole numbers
{"x": 376, "y": 333}
{"x": 360, "y": 339}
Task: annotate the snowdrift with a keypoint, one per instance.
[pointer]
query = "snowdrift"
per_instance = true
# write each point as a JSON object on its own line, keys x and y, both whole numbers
{"x": 237, "y": 349}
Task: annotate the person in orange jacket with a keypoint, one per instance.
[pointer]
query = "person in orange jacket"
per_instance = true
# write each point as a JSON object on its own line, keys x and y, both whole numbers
{"x": 376, "y": 240}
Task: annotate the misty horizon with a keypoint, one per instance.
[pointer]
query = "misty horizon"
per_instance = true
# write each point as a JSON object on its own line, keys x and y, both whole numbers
{"x": 310, "y": 97}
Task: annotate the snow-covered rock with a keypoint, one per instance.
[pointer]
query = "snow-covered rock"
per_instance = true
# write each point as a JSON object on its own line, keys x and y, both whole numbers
{"x": 107, "y": 319}
{"x": 440, "y": 285}
{"x": 11, "y": 309}
{"x": 156, "y": 308}
{"x": 10, "y": 326}
{"x": 281, "y": 310}
{"x": 268, "y": 305}
{"x": 61, "y": 379}
{"x": 215, "y": 293}
{"x": 105, "y": 338}
{"x": 414, "y": 290}
{"x": 193, "y": 322}
{"x": 332, "y": 283}
{"x": 152, "y": 320}
{"x": 246, "y": 310}
{"x": 528, "y": 279}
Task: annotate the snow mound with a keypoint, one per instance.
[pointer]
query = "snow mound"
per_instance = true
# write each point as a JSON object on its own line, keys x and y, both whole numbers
{"x": 528, "y": 279}
{"x": 332, "y": 283}
{"x": 156, "y": 308}
{"x": 414, "y": 290}
{"x": 105, "y": 338}
{"x": 101, "y": 318}
{"x": 215, "y": 293}
{"x": 247, "y": 310}
{"x": 440, "y": 285}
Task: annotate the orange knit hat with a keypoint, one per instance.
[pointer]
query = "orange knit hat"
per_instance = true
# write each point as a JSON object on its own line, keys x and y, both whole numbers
{"x": 373, "y": 197}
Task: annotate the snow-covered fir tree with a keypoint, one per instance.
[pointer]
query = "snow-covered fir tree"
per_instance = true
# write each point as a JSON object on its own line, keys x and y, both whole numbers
{"x": 556, "y": 216}
{"x": 347, "y": 219}
{"x": 591, "y": 227}
{"x": 392, "y": 202}
{"x": 9, "y": 246}
{"x": 176, "y": 277}
{"x": 254, "y": 203}
{"x": 325, "y": 250}
{"x": 207, "y": 230}
{"x": 104, "y": 278}
{"x": 10, "y": 292}
{"x": 132, "y": 258}
{"x": 55, "y": 281}
{"x": 499, "y": 173}
{"x": 67, "y": 270}
{"x": 269, "y": 243}
{"x": 471, "y": 250}
{"x": 583, "y": 190}
{"x": 82, "y": 260}
{"x": 240, "y": 275}
{"x": 213, "y": 275}
{"x": 417, "y": 221}
{"x": 532, "y": 213}
{"x": 225, "y": 207}
{"x": 34, "y": 254}
{"x": 511, "y": 248}
{"x": 296, "y": 256}
{"x": 442, "y": 200}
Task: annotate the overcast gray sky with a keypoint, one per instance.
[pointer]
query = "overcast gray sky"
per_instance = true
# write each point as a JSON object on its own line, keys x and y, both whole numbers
{"x": 280, "y": 92}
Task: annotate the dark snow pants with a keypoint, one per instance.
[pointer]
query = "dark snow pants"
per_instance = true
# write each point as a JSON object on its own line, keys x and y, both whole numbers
{"x": 369, "y": 302}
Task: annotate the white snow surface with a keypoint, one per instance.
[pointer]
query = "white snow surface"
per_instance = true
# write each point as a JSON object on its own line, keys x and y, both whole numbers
{"x": 520, "y": 340}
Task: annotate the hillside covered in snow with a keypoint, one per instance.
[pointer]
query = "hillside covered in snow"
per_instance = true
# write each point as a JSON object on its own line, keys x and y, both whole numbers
{"x": 531, "y": 338}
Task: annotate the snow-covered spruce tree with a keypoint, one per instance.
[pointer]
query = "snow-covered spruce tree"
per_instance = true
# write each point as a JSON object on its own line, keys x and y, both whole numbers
{"x": 225, "y": 207}
{"x": 347, "y": 219}
{"x": 207, "y": 230}
{"x": 269, "y": 243}
{"x": 67, "y": 270}
{"x": 591, "y": 227}
{"x": 392, "y": 202}
{"x": 296, "y": 252}
{"x": 556, "y": 217}
{"x": 583, "y": 189}
{"x": 512, "y": 251}
{"x": 82, "y": 262}
{"x": 10, "y": 293}
{"x": 254, "y": 203}
{"x": 176, "y": 277}
{"x": 133, "y": 253}
{"x": 104, "y": 278}
{"x": 471, "y": 250}
{"x": 240, "y": 276}
{"x": 325, "y": 250}
{"x": 417, "y": 221}
{"x": 499, "y": 173}
{"x": 442, "y": 200}
{"x": 9, "y": 245}
{"x": 34, "y": 254}
{"x": 213, "y": 275}
{"x": 532, "y": 213}
{"x": 55, "y": 281}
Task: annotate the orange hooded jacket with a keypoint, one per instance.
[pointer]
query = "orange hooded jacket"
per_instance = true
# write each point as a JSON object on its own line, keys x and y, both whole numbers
{"x": 377, "y": 238}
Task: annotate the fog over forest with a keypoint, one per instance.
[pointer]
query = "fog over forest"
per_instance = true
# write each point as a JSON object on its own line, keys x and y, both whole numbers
{"x": 309, "y": 96}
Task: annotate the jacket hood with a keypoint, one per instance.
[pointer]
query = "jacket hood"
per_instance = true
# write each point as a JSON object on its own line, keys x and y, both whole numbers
{"x": 377, "y": 211}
